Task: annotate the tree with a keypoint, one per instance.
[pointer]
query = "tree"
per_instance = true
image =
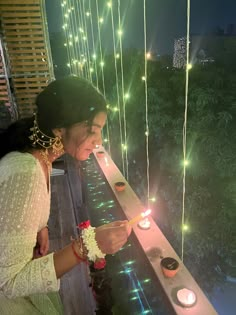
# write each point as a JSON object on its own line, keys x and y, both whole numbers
{"x": 211, "y": 147}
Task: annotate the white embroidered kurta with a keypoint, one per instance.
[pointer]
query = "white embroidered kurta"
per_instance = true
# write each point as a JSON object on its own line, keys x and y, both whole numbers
{"x": 27, "y": 286}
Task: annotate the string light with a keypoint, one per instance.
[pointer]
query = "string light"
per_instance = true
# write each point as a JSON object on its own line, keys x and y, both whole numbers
{"x": 126, "y": 173}
{"x": 93, "y": 45}
{"x": 186, "y": 162}
{"x": 120, "y": 32}
{"x": 117, "y": 56}
{"x": 189, "y": 66}
{"x": 185, "y": 130}
{"x": 148, "y": 55}
{"x": 87, "y": 50}
{"x": 103, "y": 79}
{"x": 185, "y": 227}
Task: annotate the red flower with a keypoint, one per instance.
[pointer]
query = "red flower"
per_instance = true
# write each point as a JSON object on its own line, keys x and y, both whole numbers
{"x": 100, "y": 263}
{"x": 84, "y": 225}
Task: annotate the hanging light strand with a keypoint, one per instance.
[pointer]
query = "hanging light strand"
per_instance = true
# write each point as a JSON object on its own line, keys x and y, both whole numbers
{"x": 65, "y": 28}
{"x": 69, "y": 14}
{"x": 75, "y": 43}
{"x": 126, "y": 174}
{"x": 80, "y": 47}
{"x": 185, "y": 129}
{"x": 83, "y": 34}
{"x": 86, "y": 42}
{"x": 146, "y": 100}
{"x": 100, "y": 49}
{"x": 117, "y": 87}
{"x": 93, "y": 44}
{"x": 103, "y": 80}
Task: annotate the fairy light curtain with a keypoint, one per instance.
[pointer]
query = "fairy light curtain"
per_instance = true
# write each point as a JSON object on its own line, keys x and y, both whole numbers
{"x": 82, "y": 24}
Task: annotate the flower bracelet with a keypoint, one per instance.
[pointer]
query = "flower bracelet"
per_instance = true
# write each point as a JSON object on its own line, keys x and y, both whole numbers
{"x": 93, "y": 253}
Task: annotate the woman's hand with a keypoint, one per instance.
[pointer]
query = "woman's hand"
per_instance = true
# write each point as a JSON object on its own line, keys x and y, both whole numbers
{"x": 42, "y": 245}
{"x": 112, "y": 236}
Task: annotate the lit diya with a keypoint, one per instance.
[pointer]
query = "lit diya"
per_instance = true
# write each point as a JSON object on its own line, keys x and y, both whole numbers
{"x": 140, "y": 217}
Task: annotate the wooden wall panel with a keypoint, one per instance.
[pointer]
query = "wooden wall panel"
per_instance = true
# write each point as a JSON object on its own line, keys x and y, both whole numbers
{"x": 27, "y": 49}
{"x": 4, "y": 94}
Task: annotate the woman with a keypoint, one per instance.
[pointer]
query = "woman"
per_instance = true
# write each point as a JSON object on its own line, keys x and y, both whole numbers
{"x": 70, "y": 116}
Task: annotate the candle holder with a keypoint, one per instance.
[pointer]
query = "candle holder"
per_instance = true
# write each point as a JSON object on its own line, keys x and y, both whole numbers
{"x": 144, "y": 224}
{"x": 120, "y": 186}
{"x": 186, "y": 297}
{"x": 169, "y": 266}
{"x": 100, "y": 154}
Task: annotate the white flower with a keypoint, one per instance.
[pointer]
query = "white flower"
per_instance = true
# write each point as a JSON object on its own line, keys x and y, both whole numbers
{"x": 91, "y": 245}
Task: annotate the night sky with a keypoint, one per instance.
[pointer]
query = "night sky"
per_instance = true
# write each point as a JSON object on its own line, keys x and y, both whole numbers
{"x": 166, "y": 20}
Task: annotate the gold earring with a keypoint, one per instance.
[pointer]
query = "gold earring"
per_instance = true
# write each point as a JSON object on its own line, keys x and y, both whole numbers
{"x": 57, "y": 147}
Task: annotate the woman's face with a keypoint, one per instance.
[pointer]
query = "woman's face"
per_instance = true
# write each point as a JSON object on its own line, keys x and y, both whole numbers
{"x": 80, "y": 139}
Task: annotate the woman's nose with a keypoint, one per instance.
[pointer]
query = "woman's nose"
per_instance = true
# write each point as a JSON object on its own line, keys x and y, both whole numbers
{"x": 98, "y": 139}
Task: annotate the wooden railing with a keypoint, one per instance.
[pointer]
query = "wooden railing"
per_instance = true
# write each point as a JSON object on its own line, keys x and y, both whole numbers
{"x": 153, "y": 246}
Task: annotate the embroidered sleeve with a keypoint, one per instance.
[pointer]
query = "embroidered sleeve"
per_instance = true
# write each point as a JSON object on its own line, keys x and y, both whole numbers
{"x": 23, "y": 198}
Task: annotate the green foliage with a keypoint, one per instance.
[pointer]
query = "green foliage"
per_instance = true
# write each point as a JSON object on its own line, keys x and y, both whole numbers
{"x": 211, "y": 149}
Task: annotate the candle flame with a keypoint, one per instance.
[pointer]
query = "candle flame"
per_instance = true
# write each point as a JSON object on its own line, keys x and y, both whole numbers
{"x": 146, "y": 213}
{"x": 140, "y": 217}
{"x": 191, "y": 298}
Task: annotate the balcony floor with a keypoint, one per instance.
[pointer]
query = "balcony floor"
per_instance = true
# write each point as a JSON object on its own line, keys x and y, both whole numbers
{"x": 75, "y": 291}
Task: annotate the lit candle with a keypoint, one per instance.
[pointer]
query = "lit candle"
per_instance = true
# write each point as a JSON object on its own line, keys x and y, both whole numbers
{"x": 140, "y": 217}
{"x": 186, "y": 297}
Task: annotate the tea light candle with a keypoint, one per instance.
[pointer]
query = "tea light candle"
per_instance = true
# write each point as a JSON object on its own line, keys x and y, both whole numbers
{"x": 186, "y": 297}
{"x": 144, "y": 224}
{"x": 140, "y": 217}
